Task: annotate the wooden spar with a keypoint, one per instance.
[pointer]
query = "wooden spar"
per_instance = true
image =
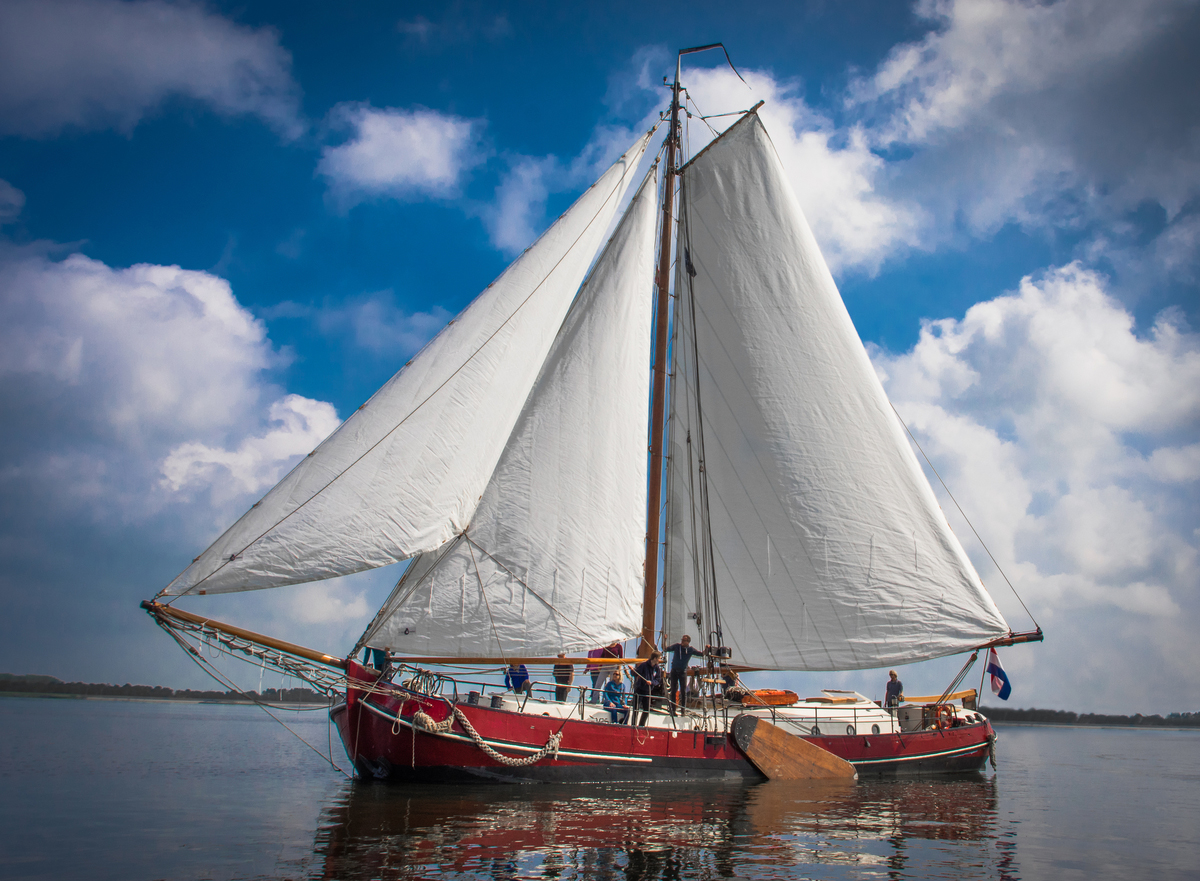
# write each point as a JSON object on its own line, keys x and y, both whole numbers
{"x": 659, "y": 375}
{"x": 160, "y": 611}
{"x": 969, "y": 694}
{"x": 451, "y": 662}
{"x": 1013, "y": 639}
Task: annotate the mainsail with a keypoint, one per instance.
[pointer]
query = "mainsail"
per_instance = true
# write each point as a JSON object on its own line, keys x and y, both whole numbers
{"x": 404, "y": 474}
{"x": 817, "y": 532}
{"x": 552, "y": 559}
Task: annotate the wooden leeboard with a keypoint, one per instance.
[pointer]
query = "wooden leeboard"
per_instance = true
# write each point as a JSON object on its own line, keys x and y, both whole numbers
{"x": 784, "y": 756}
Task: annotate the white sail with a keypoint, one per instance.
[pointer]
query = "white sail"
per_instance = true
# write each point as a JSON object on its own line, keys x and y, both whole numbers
{"x": 405, "y": 472}
{"x": 830, "y": 551}
{"x": 552, "y": 559}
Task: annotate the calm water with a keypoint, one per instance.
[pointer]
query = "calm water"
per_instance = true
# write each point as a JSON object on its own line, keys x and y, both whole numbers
{"x": 123, "y": 790}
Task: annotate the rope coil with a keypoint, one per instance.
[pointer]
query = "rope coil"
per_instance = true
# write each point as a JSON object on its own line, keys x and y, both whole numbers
{"x": 425, "y": 722}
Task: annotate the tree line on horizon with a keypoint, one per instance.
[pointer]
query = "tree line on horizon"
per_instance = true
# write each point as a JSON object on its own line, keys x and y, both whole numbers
{"x": 39, "y": 684}
{"x": 1066, "y": 717}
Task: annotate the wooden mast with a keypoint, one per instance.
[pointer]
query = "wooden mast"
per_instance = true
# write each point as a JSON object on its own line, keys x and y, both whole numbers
{"x": 659, "y": 377}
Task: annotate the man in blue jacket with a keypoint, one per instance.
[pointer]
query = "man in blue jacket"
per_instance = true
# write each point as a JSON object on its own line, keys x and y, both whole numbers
{"x": 516, "y": 678}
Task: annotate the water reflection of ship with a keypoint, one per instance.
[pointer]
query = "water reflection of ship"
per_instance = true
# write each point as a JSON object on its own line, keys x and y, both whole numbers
{"x": 374, "y": 831}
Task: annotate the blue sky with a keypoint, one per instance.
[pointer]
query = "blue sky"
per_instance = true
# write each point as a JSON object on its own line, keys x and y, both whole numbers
{"x": 225, "y": 225}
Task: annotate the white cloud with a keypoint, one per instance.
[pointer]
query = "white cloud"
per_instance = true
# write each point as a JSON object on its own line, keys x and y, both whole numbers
{"x": 140, "y": 419}
{"x": 380, "y": 326}
{"x": 1041, "y": 113}
{"x": 12, "y": 201}
{"x": 457, "y": 25}
{"x": 985, "y": 48}
{"x": 1175, "y": 464}
{"x": 258, "y": 462}
{"x": 128, "y": 389}
{"x": 99, "y": 63}
{"x": 138, "y": 353}
{"x": 518, "y": 213}
{"x": 1059, "y": 429}
{"x": 399, "y": 153}
{"x": 329, "y": 605}
{"x": 374, "y": 322}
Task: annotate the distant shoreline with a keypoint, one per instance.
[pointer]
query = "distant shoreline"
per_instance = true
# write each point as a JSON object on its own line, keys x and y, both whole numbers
{"x": 1000, "y": 723}
{"x": 1066, "y": 718}
{"x": 51, "y": 687}
{"x": 239, "y": 702}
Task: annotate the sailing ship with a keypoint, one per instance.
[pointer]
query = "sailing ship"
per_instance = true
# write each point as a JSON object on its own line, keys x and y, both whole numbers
{"x": 780, "y": 515}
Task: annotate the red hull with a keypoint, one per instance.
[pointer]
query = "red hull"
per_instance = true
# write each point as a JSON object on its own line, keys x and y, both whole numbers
{"x": 380, "y": 739}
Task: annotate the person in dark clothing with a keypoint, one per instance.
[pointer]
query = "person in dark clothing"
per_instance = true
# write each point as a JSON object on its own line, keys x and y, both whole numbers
{"x": 895, "y": 690}
{"x": 681, "y": 653}
{"x": 564, "y": 674}
{"x": 647, "y": 679}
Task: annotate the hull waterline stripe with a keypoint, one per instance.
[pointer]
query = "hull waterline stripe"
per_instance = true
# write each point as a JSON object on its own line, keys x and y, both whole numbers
{"x": 502, "y": 744}
{"x": 917, "y": 758}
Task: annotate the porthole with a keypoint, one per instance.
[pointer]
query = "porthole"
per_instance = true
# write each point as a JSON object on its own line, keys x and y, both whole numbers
{"x": 850, "y": 729}
{"x": 816, "y": 732}
{"x": 874, "y": 729}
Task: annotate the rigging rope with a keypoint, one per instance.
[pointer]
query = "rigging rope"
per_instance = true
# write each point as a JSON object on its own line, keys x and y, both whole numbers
{"x": 982, "y": 543}
{"x": 208, "y": 668}
{"x": 425, "y": 723}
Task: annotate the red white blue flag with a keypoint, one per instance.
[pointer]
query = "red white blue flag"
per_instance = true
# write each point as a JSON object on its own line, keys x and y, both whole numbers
{"x": 1000, "y": 684}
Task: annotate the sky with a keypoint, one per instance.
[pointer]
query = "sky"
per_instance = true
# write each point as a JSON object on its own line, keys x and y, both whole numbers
{"x": 224, "y": 225}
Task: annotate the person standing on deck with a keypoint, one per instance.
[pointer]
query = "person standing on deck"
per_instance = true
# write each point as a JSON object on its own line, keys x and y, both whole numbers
{"x": 681, "y": 653}
{"x": 600, "y": 671}
{"x": 895, "y": 691}
{"x": 594, "y": 671}
{"x": 647, "y": 679}
{"x": 564, "y": 675}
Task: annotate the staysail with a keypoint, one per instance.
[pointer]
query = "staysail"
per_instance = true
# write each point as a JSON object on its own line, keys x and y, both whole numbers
{"x": 552, "y": 559}
{"x": 404, "y": 474}
{"x": 828, "y": 548}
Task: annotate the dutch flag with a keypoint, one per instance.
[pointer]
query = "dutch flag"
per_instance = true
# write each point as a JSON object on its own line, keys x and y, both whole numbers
{"x": 1000, "y": 685}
